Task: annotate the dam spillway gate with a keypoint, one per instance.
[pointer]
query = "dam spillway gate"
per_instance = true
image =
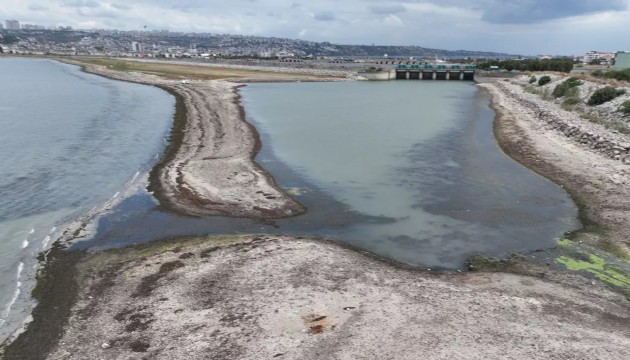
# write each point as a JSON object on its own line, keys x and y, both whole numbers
{"x": 439, "y": 72}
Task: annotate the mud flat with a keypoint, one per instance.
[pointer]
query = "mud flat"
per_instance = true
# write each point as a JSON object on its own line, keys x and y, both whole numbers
{"x": 558, "y": 144}
{"x": 209, "y": 166}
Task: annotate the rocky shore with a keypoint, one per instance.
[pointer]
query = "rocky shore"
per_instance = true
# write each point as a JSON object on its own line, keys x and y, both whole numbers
{"x": 589, "y": 159}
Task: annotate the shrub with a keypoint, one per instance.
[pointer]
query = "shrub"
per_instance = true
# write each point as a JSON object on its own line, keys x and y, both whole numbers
{"x": 544, "y": 80}
{"x": 532, "y": 79}
{"x": 623, "y": 75}
{"x": 624, "y": 108}
{"x": 562, "y": 89}
{"x": 597, "y": 73}
{"x": 605, "y": 94}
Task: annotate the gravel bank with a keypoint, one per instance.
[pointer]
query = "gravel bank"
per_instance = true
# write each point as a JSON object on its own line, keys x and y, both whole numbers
{"x": 272, "y": 297}
{"x": 588, "y": 159}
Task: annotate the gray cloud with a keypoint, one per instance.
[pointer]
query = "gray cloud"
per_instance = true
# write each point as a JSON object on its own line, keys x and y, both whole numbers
{"x": 387, "y": 9}
{"x": 35, "y": 7}
{"x": 81, "y": 3}
{"x": 531, "y": 11}
{"x": 120, "y": 6}
{"x": 325, "y": 16}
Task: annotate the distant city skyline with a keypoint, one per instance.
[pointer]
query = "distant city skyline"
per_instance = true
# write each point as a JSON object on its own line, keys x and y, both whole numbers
{"x": 528, "y": 27}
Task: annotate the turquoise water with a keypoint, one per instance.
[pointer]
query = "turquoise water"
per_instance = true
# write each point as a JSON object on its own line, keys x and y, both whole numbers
{"x": 419, "y": 156}
{"x": 70, "y": 142}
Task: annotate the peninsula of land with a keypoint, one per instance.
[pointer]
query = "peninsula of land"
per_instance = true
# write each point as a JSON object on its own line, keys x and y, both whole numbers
{"x": 259, "y": 296}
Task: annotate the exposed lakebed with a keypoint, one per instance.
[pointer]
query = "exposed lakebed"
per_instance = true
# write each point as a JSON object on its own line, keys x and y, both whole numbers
{"x": 408, "y": 170}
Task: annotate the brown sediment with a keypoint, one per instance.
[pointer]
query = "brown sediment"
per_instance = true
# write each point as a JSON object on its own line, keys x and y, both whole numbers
{"x": 208, "y": 167}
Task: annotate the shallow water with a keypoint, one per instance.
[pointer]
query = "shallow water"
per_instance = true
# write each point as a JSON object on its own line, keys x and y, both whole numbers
{"x": 408, "y": 170}
{"x": 70, "y": 141}
{"x": 420, "y": 154}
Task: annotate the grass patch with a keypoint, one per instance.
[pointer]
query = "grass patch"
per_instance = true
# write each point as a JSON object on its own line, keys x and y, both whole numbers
{"x": 193, "y": 70}
{"x": 532, "y": 89}
{"x": 624, "y": 108}
{"x": 546, "y": 95}
{"x": 570, "y": 102}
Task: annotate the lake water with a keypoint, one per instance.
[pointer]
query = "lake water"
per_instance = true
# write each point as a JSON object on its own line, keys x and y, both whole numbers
{"x": 407, "y": 169}
{"x": 419, "y": 156}
{"x": 70, "y": 141}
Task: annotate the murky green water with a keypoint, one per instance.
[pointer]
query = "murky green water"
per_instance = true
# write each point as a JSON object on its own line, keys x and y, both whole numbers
{"x": 421, "y": 157}
{"x": 408, "y": 170}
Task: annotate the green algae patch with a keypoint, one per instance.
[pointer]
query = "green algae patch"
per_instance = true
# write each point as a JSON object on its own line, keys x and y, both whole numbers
{"x": 599, "y": 268}
{"x": 563, "y": 242}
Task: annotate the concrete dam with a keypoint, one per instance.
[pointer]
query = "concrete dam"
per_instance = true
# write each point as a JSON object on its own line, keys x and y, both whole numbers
{"x": 426, "y": 72}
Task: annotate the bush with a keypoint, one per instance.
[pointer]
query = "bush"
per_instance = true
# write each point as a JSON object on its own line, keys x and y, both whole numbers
{"x": 532, "y": 79}
{"x": 562, "y": 89}
{"x": 597, "y": 73}
{"x": 544, "y": 80}
{"x": 625, "y": 107}
{"x": 605, "y": 94}
{"x": 623, "y": 75}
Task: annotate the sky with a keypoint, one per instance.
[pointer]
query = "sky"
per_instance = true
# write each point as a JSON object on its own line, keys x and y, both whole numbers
{"x": 527, "y": 27}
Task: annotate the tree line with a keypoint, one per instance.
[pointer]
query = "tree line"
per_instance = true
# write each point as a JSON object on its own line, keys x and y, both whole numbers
{"x": 561, "y": 65}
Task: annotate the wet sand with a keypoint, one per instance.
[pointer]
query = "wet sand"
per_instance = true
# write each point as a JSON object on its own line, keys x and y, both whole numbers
{"x": 252, "y": 297}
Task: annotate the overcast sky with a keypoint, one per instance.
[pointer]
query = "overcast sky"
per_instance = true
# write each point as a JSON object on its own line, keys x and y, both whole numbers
{"x": 527, "y": 27}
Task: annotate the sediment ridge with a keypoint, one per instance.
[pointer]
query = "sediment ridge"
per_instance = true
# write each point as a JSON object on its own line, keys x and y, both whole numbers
{"x": 209, "y": 167}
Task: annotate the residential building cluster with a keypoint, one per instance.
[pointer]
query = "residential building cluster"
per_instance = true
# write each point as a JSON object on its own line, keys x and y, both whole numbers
{"x": 597, "y": 58}
{"x": 15, "y": 25}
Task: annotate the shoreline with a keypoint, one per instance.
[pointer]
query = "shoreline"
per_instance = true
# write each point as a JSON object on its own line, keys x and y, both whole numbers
{"x": 225, "y": 180}
{"x": 596, "y": 182}
{"x": 99, "y": 280}
{"x": 253, "y": 296}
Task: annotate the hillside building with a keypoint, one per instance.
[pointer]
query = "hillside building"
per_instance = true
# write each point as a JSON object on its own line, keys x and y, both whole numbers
{"x": 13, "y": 25}
{"x": 136, "y": 46}
{"x": 604, "y": 58}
